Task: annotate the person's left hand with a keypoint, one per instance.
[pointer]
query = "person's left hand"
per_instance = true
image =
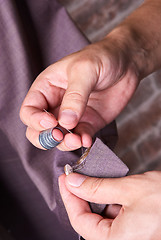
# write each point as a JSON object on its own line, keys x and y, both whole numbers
{"x": 139, "y": 216}
{"x": 83, "y": 92}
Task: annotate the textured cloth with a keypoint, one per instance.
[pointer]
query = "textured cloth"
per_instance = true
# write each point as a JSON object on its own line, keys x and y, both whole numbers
{"x": 34, "y": 34}
{"x": 101, "y": 162}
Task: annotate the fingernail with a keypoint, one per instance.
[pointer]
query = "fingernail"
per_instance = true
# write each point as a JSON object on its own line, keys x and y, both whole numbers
{"x": 57, "y": 134}
{"x": 68, "y": 116}
{"x": 75, "y": 179}
{"x": 46, "y": 124}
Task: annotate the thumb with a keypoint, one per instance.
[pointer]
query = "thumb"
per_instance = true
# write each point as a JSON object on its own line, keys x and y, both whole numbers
{"x": 100, "y": 190}
{"x": 80, "y": 85}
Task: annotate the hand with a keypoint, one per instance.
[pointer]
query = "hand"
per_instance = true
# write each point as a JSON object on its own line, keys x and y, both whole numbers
{"x": 83, "y": 91}
{"x": 139, "y": 196}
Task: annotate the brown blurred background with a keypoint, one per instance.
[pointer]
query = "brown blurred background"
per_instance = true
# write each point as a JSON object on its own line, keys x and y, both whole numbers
{"x": 139, "y": 125}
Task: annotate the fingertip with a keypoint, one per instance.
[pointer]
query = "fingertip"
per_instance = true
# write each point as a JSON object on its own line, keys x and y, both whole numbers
{"x": 68, "y": 119}
{"x": 37, "y": 118}
{"x": 61, "y": 177}
{"x": 72, "y": 141}
{"x": 86, "y": 140}
{"x": 47, "y": 121}
{"x": 64, "y": 192}
{"x": 75, "y": 180}
{"x": 57, "y": 134}
{"x": 85, "y": 130}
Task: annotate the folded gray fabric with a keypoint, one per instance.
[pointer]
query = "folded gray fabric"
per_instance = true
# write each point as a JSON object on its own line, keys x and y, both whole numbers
{"x": 101, "y": 162}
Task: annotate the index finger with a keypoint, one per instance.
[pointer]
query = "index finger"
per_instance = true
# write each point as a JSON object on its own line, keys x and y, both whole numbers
{"x": 40, "y": 96}
{"x": 34, "y": 116}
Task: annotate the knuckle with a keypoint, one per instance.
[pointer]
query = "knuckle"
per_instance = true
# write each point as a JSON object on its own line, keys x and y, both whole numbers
{"x": 95, "y": 186}
{"x": 76, "y": 96}
{"x": 21, "y": 114}
{"x": 81, "y": 63}
{"x": 84, "y": 64}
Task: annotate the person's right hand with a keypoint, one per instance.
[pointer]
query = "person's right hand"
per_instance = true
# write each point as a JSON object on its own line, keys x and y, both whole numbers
{"x": 83, "y": 91}
{"x": 136, "y": 216}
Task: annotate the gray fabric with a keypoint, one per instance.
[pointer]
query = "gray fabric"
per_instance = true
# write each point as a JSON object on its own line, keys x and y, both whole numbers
{"x": 34, "y": 34}
{"x": 101, "y": 162}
